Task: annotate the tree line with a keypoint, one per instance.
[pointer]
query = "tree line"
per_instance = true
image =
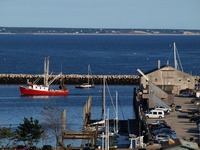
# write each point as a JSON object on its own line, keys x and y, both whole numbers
{"x": 30, "y": 132}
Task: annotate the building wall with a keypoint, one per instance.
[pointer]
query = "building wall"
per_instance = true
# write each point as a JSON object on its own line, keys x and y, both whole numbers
{"x": 170, "y": 80}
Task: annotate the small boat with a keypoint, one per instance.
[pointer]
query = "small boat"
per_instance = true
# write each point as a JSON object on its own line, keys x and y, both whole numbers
{"x": 33, "y": 89}
{"x": 87, "y": 84}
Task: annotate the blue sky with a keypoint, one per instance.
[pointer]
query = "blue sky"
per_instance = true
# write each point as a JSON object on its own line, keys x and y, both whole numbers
{"x": 142, "y": 14}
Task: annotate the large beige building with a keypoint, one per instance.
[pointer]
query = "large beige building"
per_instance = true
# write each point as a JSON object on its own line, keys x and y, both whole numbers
{"x": 159, "y": 86}
{"x": 169, "y": 79}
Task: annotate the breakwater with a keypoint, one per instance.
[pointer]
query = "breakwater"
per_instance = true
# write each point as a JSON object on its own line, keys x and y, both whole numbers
{"x": 70, "y": 79}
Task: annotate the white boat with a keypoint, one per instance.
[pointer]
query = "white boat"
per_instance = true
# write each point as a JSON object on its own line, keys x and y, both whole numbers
{"x": 87, "y": 84}
{"x": 99, "y": 125}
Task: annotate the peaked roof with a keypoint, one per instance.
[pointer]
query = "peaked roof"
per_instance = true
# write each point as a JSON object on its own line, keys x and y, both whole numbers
{"x": 155, "y": 69}
{"x": 163, "y": 66}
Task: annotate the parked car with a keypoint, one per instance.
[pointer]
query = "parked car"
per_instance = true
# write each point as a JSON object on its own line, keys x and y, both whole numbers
{"x": 21, "y": 147}
{"x": 47, "y": 147}
{"x": 191, "y": 113}
{"x": 165, "y": 109}
{"x": 195, "y": 99}
{"x": 165, "y": 131}
{"x": 185, "y": 94}
{"x": 160, "y": 122}
{"x": 194, "y": 118}
{"x": 155, "y": 114}
{"x": 153, "y": 127}
{"x": 161, "y": 138}
{"x": 197, "y": 102}
{"x": 178, "y": 108}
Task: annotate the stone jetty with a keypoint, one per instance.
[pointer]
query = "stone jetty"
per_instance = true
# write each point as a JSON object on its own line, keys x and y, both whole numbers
{"x": 70, "y": 79}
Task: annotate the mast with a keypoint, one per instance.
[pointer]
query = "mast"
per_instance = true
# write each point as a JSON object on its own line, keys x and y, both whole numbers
{"x": 45, "y": 66}
{"x": 50, "y": 82}
{"x": 107, "y": 131}
{"x": 175, "y": 60}
{"x": 104, "y": 101}
{"x": 88, "y": 74}
{"x": 116, "y": 113}
{"x": 46, "y": 71}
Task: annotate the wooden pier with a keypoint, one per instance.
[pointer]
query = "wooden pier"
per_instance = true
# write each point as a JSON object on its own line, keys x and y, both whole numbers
{"x": 85, "y": 134}
{"x": 79, "y": 135}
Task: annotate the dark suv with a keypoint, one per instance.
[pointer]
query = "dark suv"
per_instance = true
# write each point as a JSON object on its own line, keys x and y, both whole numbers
{"x": 194, "y": 118}
{"x": 47, "y": 147}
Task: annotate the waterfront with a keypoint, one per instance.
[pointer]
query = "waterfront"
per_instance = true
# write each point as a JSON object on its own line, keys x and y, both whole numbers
{"x": 71, "y": 54}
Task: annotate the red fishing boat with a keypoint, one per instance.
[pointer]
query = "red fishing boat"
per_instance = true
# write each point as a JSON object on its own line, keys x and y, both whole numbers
{"x": 33, "y": 89}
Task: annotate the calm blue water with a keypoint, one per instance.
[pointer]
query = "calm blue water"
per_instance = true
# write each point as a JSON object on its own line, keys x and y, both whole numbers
{"x": 13, "y": 107}
{"x": 106, "y": 54}
{"x": 71, "y": 54}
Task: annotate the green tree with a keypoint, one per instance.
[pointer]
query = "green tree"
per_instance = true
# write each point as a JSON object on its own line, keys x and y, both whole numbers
{"x": 6, "y": 136}
{"x": 29, "y": 132}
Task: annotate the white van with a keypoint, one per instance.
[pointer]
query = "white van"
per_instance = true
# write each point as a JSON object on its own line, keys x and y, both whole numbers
{"x": 155, "y": 114}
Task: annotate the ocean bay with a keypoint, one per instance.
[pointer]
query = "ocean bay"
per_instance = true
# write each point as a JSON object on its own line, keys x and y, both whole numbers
{"x": 106, "y": 54}
{"x": 15, "y": 107}
{"x": 71, "y": 54}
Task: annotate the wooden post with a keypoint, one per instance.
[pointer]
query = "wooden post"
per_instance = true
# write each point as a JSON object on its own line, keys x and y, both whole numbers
{"x": 87, "y": 111}
{"x": 63, "y": 126}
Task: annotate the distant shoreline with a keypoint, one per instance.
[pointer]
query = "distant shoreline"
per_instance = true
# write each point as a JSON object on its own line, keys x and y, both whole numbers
{"x": 95, "y": 31}
{"x": 104, "y": 34}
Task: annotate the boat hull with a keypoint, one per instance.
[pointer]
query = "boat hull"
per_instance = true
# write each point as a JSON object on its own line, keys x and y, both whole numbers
{"x": 33, "y": 92}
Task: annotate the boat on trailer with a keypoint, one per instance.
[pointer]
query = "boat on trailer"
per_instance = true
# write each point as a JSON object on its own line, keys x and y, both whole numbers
{"x": 32, "y": 89}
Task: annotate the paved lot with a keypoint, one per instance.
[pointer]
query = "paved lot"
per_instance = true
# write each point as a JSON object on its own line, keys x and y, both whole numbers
{"x": 179, "y": 120}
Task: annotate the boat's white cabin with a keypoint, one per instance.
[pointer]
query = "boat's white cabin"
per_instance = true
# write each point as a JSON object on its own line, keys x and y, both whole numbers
{"x": 39, "y": 87}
